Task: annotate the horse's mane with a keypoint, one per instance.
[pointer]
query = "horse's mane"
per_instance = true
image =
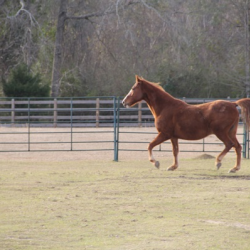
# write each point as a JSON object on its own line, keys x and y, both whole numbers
{"x": 157, "y": 85}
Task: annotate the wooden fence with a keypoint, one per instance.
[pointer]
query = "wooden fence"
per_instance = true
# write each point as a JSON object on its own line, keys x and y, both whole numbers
{"x": 84, "y": 112}
{"x": 94, "y": 112}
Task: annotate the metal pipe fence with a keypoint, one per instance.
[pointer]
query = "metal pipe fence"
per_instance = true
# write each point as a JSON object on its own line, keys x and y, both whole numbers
{"x": 64, "y": 124}
{"x": 88, "y": 124}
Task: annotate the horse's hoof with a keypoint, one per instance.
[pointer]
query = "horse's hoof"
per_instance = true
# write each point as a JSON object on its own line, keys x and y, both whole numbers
{"x": 172, "y": 168}
{"x": 218, "y": 165}
{"x": 157, "y": 164}
{"x": 233, "y": 170}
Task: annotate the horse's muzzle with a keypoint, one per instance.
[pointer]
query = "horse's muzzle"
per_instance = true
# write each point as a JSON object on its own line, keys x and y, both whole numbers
{"x": 124, "y": 103}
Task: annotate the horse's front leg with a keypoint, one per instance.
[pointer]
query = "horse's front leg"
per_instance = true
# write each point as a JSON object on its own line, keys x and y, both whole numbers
{"x": 175, "y": 147}
{"x": 158, "y": 140}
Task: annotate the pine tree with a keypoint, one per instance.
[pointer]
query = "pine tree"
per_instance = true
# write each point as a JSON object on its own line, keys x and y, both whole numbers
{"x": 22, "y": 83}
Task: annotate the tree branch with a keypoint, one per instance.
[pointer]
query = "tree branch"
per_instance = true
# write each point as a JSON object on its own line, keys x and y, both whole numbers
{"x": 32, "y": 19}
{"x": 2, "y": 2}
{"x": 105, "y": 12}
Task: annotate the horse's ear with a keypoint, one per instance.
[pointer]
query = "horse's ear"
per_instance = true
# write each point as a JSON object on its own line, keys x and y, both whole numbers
{"x": 137, "y": 79}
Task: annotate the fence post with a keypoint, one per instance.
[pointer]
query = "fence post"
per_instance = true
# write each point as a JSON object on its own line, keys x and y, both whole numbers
{"x": 28, "y": 124}
{"x": 244, "y": 143}
{"x": 97, "y": 111}
{"x": 71, "y": 124}
{"x": 245, "y": 150}
{"x": 116, "y": 127}
{"x": 247, "y": 145}
{"x": 12, "y": 112}
{"x": 139, "y": 114}
{"x": 55, "y": 113}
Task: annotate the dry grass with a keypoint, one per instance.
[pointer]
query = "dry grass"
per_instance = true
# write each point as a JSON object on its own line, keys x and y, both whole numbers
{"x": 75, "y": 204}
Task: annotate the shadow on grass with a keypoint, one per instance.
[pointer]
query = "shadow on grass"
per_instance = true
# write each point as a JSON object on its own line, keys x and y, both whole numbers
{"x": 236, "y": 177}
{"x": 212, "y": 177}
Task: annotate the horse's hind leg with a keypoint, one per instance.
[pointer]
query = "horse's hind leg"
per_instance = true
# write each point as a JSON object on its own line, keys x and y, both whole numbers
{"x": 228, "y": 145}
{"x": 158, "y": 140}
{"x": 237, "y": 148}
{"x": 230, "y": 141}
{"x": 222, "y": 154}
{"x": 175, "y": 147}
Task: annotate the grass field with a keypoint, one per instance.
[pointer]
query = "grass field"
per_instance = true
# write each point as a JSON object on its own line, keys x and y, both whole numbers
{"x": 127, "y": 205}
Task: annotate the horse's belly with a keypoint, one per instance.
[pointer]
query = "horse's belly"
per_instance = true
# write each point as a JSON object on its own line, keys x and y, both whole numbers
{"x": 194, "y": 136}
{"x": 192, "y": 132}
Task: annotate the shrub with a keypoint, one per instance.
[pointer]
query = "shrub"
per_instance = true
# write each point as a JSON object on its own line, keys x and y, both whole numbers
{"x": 22, "y": 83}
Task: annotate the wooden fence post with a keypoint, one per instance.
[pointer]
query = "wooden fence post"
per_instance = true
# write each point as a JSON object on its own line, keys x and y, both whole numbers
{"x": 12, "y": 112}
{"x": 139, "y": 114}
{"x": 55, "y": 113}
{"x": 97, "y": 111}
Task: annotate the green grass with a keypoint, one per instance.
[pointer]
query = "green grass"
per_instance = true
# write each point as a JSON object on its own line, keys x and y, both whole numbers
{"x": 127, "y": 205}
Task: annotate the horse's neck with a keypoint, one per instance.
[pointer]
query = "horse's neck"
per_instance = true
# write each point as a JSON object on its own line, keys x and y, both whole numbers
{"x": 157, "y": 99}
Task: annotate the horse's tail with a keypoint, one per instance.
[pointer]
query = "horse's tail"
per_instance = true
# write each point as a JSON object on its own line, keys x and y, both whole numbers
{"x": 245, "y": 110}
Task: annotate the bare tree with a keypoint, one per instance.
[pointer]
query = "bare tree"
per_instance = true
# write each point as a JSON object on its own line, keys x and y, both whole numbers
{"x": 62, "y": 17}
{"x": 247, "y": 47}
{"x": 194, "y": 48}
{"x": 19, "y": 28}
{"x": 58, "y": 49}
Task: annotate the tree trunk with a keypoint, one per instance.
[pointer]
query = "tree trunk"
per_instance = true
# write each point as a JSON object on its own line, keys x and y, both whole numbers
{"x": 247, "y": 48}
{"x": 58, "y": 50}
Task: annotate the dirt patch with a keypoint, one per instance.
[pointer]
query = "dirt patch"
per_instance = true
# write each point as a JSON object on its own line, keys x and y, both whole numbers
{"x": 204, "y": 157}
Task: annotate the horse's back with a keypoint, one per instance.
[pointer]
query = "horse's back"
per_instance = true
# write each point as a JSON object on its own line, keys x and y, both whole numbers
{"x": 220, "y": 112}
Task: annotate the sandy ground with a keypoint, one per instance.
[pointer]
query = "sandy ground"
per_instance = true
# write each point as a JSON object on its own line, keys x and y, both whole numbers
{"x": 55, "y": 144}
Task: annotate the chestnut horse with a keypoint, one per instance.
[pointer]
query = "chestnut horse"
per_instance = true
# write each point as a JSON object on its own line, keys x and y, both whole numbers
{"x": 176, "y": 119}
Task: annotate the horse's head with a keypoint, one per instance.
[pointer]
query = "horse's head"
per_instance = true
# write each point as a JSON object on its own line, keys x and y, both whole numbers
{"x": 134, "y": 95}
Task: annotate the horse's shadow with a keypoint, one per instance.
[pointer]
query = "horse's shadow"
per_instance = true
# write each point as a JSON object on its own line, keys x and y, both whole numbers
{"x": 233, "y": 177}
{"x": 214, "y": 177}
{"x": 225, "y": 176}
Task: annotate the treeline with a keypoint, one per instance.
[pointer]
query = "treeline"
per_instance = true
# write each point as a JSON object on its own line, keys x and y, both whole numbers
{"x": 194, "y": 48}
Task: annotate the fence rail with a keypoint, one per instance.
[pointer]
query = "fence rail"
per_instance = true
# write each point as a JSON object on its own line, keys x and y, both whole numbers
{"x": 82, "y": 112}
{"x": 74, "y": 114}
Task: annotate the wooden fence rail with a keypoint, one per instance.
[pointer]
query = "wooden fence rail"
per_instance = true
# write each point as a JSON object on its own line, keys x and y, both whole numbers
{"x": 94, "y": 112}
{"x": 91, "y": 113}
